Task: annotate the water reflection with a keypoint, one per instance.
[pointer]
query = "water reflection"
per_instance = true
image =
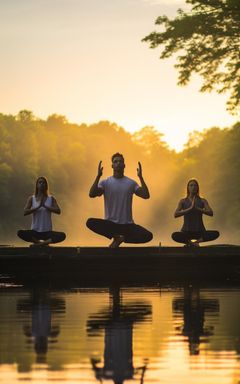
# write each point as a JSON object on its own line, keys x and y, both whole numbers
{"x": 117, "y": 322}
{"x": 42, "y": 330}
{"x": 121, "y": 334}
{"x": 193, "y": 308}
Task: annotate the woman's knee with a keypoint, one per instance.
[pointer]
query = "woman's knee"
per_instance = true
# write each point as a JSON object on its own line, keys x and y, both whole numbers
{"x": 149, "y": 236}
{"x": 211, "y": 235}
{"x": 175, "y": 236}
{"x": 20, "y": 233}
{"x": 180, "y": 237}
{"x": 57, "y": 237}
{"x": 217, "y": 234}
{"x": 26, "y": 234}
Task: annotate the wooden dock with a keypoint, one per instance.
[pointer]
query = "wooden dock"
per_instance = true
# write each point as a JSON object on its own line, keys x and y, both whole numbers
{"x": 140, "y": 264}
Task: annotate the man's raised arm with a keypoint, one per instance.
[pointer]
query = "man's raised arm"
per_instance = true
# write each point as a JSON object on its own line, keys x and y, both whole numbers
{"x": 142, "y": 191}
{"x": 95, "y": 190}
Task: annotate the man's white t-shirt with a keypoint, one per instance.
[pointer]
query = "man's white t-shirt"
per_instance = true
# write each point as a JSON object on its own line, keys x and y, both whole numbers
{"x": 118, "y": 193}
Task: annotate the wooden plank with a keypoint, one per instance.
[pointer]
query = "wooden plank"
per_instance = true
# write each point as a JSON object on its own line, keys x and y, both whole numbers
{"x": 54, "y": 251}
{"x": 140, "y": 264}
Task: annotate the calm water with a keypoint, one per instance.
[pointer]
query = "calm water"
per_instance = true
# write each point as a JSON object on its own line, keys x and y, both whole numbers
{"x": 120, "y": 335}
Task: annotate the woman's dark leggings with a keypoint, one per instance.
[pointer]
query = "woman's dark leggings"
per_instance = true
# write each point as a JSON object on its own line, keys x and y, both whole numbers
{"x": 30, "y": 235}
{"x": 132, "y": 233}
{"x": 185, "y": 237}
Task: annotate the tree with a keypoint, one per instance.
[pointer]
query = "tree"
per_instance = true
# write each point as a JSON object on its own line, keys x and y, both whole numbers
{"x": 207, "y": 42}
{"x": 25, "y": 116}
{"x": 151, "y": 140}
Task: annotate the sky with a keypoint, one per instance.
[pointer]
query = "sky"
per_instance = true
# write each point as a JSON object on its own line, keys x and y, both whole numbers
{"x": 84, "y": 59}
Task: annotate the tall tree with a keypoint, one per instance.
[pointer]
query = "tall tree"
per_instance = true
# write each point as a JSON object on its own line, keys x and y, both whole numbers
{"x": 206, "y": 40}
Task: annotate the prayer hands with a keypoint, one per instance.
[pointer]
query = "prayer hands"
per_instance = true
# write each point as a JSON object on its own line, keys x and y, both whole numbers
{"x": 193, "y": 205}
{"x": 42, "y": 202}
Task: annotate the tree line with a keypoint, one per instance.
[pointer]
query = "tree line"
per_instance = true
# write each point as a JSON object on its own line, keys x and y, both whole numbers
{"x": 68, "y": 155}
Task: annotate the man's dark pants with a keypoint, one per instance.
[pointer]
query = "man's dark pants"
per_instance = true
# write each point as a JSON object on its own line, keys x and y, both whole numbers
{"x": 132, "y": 233}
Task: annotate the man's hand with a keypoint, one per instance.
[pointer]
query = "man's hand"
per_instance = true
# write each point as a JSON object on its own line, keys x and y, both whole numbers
{"x": 139, "y": 170}
{"x": 142, "y": 191}
{"x": 95, "y": 190}
{"x": 100, "y": 169}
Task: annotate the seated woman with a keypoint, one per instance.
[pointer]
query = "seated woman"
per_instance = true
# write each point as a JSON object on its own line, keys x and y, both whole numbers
{"x": 41, "y": 205}
{"x": 192, "y": 207}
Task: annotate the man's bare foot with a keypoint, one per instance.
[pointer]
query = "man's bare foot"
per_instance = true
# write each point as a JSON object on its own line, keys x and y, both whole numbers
{"x": 41, "y": 242}
{"x": 117, "y": 240}
{"x": 46, "y": 242}
{"x": 35, "y": 240}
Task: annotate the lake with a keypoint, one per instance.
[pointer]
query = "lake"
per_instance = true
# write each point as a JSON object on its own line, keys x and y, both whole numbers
{"x": 129, "y": 334}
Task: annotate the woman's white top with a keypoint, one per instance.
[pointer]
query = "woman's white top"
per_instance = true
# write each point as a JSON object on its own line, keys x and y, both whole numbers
{"x": 41, "y": 219}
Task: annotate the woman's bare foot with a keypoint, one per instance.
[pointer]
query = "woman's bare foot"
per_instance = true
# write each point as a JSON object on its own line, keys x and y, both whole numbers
{"x": 195, "y": 244}
{"x": 191, "y": 243}
{"x": 117, "y": 240}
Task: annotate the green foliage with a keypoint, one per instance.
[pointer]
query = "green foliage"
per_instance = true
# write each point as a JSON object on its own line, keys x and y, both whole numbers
{"x": 207, "y": 42}
{"x": 68, "y": 155}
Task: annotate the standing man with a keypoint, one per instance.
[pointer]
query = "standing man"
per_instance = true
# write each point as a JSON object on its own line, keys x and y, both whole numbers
{"x": 118, "y": 192}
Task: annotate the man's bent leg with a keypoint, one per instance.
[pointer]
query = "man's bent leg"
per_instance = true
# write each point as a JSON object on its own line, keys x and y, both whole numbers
{"x": 103, "y": 227}
{"x": 134, "y": 233}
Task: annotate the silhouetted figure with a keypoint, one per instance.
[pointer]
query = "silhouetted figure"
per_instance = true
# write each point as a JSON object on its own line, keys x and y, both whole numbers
{"x": 194, "y": 308}
{"x": 41, "y": 205}
{"x": 118, "y": 192}
{"x": 117, "y": 323}
{"x": 41, "y": 331}
{"x": 192, "y": 207}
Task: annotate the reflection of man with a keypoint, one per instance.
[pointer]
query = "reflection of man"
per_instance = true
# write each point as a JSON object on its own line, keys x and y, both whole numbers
{"x": 118, "y": 341}
{"x": 118, "y": 191}
{"x": 118, "y": 364}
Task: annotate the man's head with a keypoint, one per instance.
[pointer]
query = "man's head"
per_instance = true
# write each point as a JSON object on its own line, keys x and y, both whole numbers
{"x": 118, "y": 164}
